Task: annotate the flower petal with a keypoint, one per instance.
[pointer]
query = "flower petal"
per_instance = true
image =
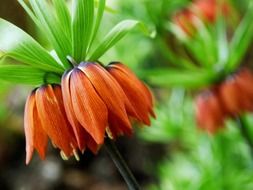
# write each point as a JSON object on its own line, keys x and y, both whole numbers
{"x": 109, "y": 91}
{"x": 53, "y": 118}
{"x": 137, "y": 93}
{"x": 89, "y": 109}
{"x": 91, "y": 143}
{"x": 77, "y": 128}
{"x": 209, "y": 113}
{"x": 245, "y": 81}
{"x": 35, "y": 135}
{"x": 231, "y": 96}
{"x": 118, "y": 128}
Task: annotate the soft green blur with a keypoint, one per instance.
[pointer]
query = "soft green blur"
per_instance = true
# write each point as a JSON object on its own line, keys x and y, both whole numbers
{"x": 193, "y": 160}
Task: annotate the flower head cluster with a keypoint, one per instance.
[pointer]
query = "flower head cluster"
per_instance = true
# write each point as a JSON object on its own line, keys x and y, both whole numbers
{"x": 230, "y": 98}
{"x": 92, "y": 101}
{"x": 205, "y": 10}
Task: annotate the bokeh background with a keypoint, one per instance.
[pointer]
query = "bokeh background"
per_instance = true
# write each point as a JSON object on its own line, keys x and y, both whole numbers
{"x": 172, "y": 154}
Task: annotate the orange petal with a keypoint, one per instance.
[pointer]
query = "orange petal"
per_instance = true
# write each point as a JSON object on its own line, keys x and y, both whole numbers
{"x": 245, "y": 81}
{"x": 209, "y": 113}
{"x": 137, "y": 93}
{"x": 35, "y": 135}
{"x": 231, "y": 96}
{"x": 118, "y": 128}
{"x": 207, "y": 9}
{"x": 109, "y": 91}
{"x": 77, "y": 128}
{"x": 91, "y": 144}
{"x": 53, "y": 118}
{"x": 89, "y": 109}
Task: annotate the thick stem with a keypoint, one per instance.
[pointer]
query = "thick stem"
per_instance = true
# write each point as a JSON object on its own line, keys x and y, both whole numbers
{"x": 245, "y": 133}
{"x": 121, "y": 165}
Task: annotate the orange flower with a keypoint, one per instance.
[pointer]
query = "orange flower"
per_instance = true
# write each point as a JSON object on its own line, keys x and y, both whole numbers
{"x": 137, "y": 93}
{"x": 205, "y": 10}
{"x": 209, "y": 112}
{"x": 208, "y": 9}
{"x": 96, "y": 102}
{"x": 92, "y": 101}
{"x": 236, "y": 93}
{"x": 185, "y": 20}
{"x": 45, "y": 117}
{"x": 230, "y": 98}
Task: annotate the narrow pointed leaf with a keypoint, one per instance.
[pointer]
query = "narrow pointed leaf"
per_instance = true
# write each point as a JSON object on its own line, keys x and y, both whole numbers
{"x": 179, "y": 78}
{"x": 222, "y": 42}
{"x": 63, "y": 16}
{"x": 82, "y": 25}
{"x": 29, "y": 12}
{"x": 241, "y": 40}
{"x": 173, "y": 58}
{"x": 22, "y": 74}
{"x": 17, "y": 44}
{"x": 52, "y": 26}
{"x": 99, "y": 15}
{"x": 115, "y": 35}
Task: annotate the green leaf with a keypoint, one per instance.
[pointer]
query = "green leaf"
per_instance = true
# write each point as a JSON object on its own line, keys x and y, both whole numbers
{"x": 177, "y": 60}
{"x": 53, "y": 26}
{"x": 115, "y": 35}
{"x": 63, "y": 16}
{"x": 82, "y": 26}
{"x": 107, "y": 8}
{"x": 29, "y": 12}
{"x": 99, "y": 15}
{"x": 200, "y": 45}
{"x": 17, "y": 44}
{"x": 222, "y": 42}
{"x": 22, "y": 74}
{"x": 178, "y": 78}
{"x": 241, "y": 40}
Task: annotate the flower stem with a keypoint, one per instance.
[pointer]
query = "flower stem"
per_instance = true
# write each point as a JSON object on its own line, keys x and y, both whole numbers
{"x": 121, "y": 165}
{"x": 245, "y": 133}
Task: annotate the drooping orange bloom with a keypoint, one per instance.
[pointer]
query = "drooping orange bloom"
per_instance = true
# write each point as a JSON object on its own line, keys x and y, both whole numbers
{"x": 236, "y": 93}
{"x": 229, "y": 99}
{"x": 205, "y": 10}
{"x": 45, "y": 117}
{"x": 137, "y": 93}
{"x": 96, "y": 100}
{"x": 210, "y": 115}
{"x": 209, "y": 9}
{"x": 93, "y": 101}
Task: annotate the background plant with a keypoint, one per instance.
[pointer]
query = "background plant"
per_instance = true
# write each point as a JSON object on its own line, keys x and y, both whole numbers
{"x": 189, "y": 159}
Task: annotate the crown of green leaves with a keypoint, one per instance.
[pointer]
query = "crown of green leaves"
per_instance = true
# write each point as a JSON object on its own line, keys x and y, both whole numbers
{"x": 70, "y": 33}
{"x": 207, "y": 57}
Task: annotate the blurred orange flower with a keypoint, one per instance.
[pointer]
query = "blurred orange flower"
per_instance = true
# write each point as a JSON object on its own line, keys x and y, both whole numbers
{"x": 208, "y": 10}
{"x": 210, "y": 114}
{"x": 229, "y": 99}
{"x": 205, "y": 10}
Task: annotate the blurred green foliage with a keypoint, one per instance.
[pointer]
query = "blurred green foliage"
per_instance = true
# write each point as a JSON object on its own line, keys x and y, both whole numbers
{"x": 194, "y": 160}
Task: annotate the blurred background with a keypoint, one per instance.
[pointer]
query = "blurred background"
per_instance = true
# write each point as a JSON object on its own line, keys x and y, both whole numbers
{"x": 173, "y": 153}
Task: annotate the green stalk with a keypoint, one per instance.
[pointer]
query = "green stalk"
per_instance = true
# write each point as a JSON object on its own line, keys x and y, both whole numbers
{"x": 121, "y": 165}
{"x": 245, "y": 133}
